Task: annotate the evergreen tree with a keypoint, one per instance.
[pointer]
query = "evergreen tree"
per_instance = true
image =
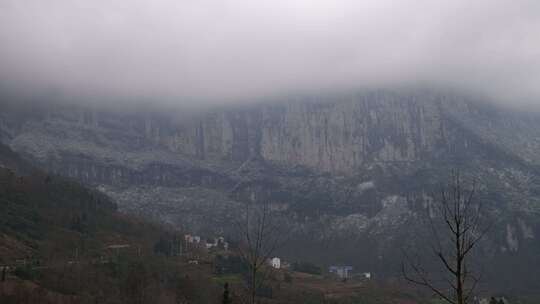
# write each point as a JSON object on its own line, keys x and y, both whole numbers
{"x": 226, "y": 299}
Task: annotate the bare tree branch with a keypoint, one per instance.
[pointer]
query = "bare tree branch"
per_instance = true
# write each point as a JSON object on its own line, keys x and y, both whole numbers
{"x": 455, "y": 229}
{"x": 260, "y": 236}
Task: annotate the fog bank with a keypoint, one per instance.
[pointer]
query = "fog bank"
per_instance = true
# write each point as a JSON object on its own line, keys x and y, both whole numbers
{"x": 223, "y": 51}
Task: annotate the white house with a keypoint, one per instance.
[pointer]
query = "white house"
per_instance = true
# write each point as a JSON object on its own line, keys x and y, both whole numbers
{"x": 275, "y": 262}
{"x": 217, "y": 242}
{"x": 192, "y": 238}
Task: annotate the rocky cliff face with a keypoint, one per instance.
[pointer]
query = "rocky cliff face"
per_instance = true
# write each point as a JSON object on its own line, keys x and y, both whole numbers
{"x": 341, "y": 166}
{"x": 347, "y": 136}
{"x": 337, "y": 137}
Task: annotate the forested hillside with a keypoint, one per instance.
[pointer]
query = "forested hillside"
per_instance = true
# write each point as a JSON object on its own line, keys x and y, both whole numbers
{"x": 63, "y": 243}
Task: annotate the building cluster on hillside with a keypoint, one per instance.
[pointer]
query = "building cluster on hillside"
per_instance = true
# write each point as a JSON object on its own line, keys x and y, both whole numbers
{"x": 346, "y": 272}
{"x": 192, "y": 239}
{"x": 219, "y": 242}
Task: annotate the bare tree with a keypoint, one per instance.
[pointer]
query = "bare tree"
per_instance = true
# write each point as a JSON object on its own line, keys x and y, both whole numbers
{"x": 456, "y": 227}
{"x": 260, "y": 236}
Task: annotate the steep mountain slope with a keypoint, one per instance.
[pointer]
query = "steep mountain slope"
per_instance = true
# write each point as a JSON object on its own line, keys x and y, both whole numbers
{"x": 61, "y": 242}
{"x": 349, "y": 169}
{"x": 48, "y": 217}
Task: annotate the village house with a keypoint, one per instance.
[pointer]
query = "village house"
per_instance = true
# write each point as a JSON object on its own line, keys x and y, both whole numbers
{"x": 343, "y": 272}
{"x": 275, "y": 262}
{"x": 195, "y": 239}
{"x": 217, "y": 243}
{"x": 363, "y": 275}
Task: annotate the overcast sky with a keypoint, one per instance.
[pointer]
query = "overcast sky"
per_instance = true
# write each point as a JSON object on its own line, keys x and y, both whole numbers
{"x": 236, "y": 49}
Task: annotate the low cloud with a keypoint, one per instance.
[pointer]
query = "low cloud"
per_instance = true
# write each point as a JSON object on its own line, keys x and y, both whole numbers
{"x": 224, "y": 50}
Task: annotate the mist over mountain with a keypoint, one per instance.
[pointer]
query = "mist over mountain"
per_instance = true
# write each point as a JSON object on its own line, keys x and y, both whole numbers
{"x": 218, "y": 52}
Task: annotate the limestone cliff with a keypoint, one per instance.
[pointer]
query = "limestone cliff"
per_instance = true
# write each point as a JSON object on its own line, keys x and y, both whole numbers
{"x": 327, "y": 135}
